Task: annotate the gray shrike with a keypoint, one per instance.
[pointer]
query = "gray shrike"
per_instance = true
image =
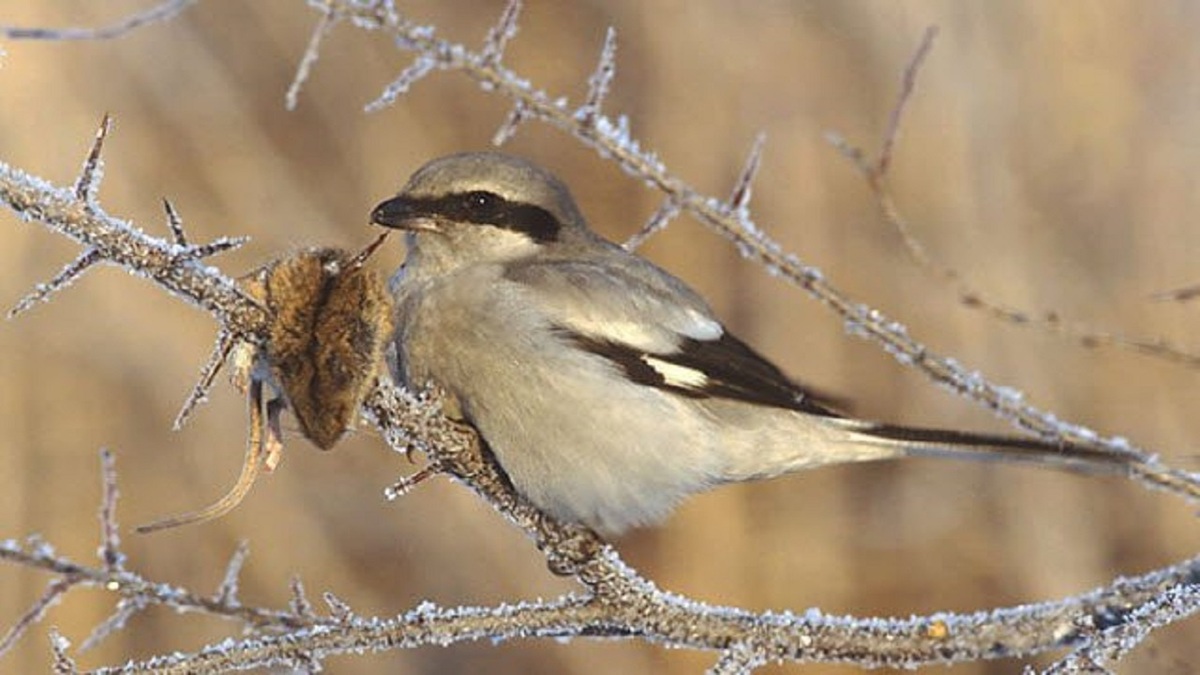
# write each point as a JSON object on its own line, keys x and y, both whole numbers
{"x": 604, "y": 386}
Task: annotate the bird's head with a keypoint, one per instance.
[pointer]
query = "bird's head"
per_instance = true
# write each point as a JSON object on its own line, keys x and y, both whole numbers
{"x": 481, "y": 207}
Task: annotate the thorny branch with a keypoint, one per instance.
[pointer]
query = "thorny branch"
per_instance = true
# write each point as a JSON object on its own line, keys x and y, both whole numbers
{"x": 618, "y": 601}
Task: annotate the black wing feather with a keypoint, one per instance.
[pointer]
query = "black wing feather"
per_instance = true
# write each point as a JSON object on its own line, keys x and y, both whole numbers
{"x": 732, "y": 370}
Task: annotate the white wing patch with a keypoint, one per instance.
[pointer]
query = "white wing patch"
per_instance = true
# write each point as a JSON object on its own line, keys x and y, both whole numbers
{"x": 703, "y": 327}
{"x": 675, "y": 375}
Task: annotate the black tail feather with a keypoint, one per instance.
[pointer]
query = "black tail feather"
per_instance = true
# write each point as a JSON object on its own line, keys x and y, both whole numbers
{"x": 995, "y": 447}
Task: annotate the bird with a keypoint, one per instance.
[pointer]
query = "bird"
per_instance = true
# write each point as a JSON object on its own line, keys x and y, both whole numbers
{"x": 605, "y": 387}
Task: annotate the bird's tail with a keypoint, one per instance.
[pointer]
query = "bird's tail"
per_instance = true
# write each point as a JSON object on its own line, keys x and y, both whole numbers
{"x": 966, "y": 445}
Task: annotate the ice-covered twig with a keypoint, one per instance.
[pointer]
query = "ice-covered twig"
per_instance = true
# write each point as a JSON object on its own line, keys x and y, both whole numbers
{"x": 121, "y": 614}
{"x": 299, "y": 603}
{"x": 110, "y": 533}
{"x": 227, "y": 593}
{"x": 53, "y": 593}
{"x": 657, "y": 222}
{"x": 312, "y": 52}
{"x": 499, "y": 35}
{"x": 225, "y": 343}
{"x": 508, "y": 128}
{"x": 174, "y": 223}
{"x": 739, "y": 199}
{"x": 87, "y": 184}
{"x": 187, "y": 251}
{"x": 65, "y": 277}
{"x": 161, "y": 12}
{"x": 600, "y": 81}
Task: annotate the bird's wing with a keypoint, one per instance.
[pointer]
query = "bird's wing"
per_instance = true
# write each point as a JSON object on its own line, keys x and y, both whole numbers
{"x": 658, "y": 331}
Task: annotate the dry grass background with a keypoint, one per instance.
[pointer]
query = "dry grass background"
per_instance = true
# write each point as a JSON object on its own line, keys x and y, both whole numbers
{"x": 1051, "y": 152}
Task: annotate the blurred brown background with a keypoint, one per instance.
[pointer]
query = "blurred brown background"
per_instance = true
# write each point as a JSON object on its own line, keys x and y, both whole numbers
{"x": 1050, "y": 153}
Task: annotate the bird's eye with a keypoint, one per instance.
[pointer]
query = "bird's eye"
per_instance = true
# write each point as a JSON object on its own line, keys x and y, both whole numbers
{"x": 481, "y": 201}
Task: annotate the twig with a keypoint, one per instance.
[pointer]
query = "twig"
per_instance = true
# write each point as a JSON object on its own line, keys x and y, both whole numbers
{"x": 162, "y": 12}
{"x": 908, "y": 84}
{"x": 110, "y": 532}
{"x": 329, "y": 19}
{"x": 53, "y": 593}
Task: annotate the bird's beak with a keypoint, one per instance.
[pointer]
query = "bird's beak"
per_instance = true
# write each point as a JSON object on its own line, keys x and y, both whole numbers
{"x": 403, "y": 213}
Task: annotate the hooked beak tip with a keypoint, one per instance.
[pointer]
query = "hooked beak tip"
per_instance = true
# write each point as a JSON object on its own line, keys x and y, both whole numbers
{"x": 398, "y": 213}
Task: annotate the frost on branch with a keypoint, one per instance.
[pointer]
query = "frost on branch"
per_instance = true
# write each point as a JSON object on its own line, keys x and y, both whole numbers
{"x": 65, "y": 277}
{"x": 312, "y": 52}
{"x": 657, "y": 222}
{"x": 162, "y": 12}
{"x": 499, "y": 35}
{"x": 601, "y": 80}
{"x": 224, "y": 345}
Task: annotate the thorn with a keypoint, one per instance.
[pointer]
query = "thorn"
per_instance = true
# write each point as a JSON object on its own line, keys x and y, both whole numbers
{"x": 739, "y": 199}
{"x": 216, "y": 359}
{"x": 54, "y": 591}
{"x": 227, "y": 593}
{"x": 508, "y": 128}
{"x": 358, "y": 260}
{"x": 407, "y": 483}
{"x": 337, "y": 607}
{"x": 658, "y": 221}
{"x": 600, "y": 80}
{"x": 174, "y": 223}
{"x": 299, "y": 603}
{"x": 126, "y": 608}
{"x": 499, "y": 35}
{"x": 89, "y": 176}
{"x": 210, "y": 249}
{"x": 65, "y": 277}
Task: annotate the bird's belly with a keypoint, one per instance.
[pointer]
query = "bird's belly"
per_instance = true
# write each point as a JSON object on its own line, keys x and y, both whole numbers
{"x": 586, "y": 449}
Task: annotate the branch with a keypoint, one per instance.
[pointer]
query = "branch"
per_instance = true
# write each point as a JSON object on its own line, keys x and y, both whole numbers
{"x": 619, "y": 602}
{"x": 160, "y": 13}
